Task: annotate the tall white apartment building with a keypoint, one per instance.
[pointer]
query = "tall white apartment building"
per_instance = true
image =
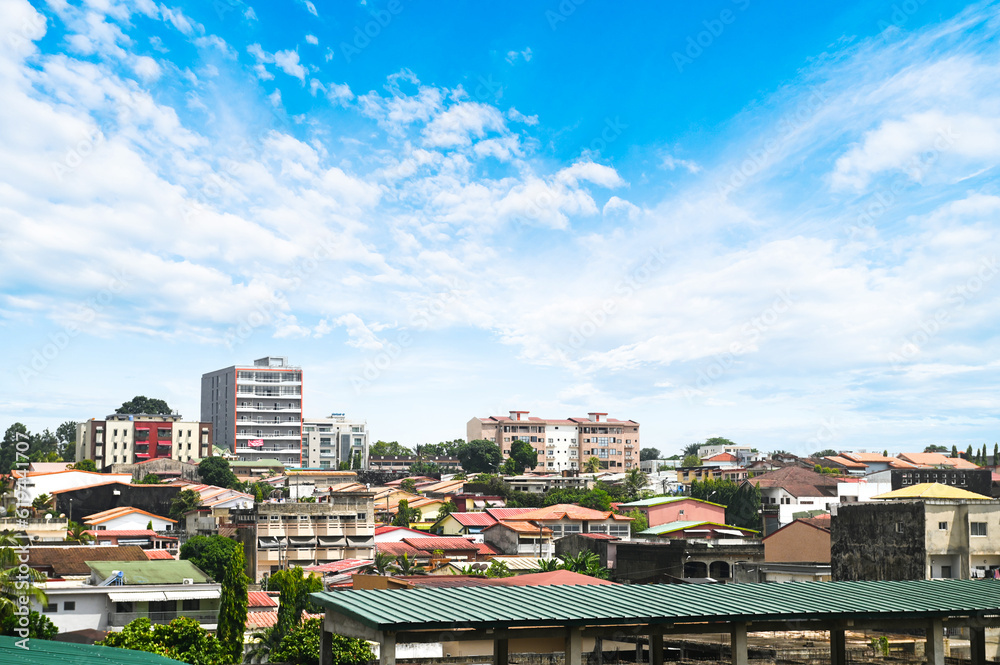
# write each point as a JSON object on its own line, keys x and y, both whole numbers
{"x": 564, "y": 444}
{"x": 129, "y": 439}
{"x": 256, "y": 410}
{"x": 327, "y": 442}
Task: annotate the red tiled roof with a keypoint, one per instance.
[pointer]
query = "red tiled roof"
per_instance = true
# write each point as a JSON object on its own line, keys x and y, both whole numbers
{"x": 341, "y": 566}
{"x": 153, "y": 555}
{"x": 521, "y": 527}
{"x": 395, "y": 549}
{"x": 501, "y": 514}
{"x": 268, "y": 619}
{"x": 598, "y": 536}
{"x": 431, "y": 544}
{"x": 487, "y": 550}
{"x": 260, "y": 599}
{"x": 554, "y": 578}
{"x": 474, "y": 519}
{"x": 567, "y": 511}
{"x": 845, "y": 462}
{"x": 721, "y": 457}
{"x": 71, "y": 560}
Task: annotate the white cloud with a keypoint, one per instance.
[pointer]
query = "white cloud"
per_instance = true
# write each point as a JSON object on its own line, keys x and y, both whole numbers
{"x": 605, "y": 176}
{"x": 339, "y": 93}
{"x": 147, "y": 68}
{"x": 288, "y": 62}
{"x": 457, "y": 125}
{"x": 250, "y": 14}
{"x": 360, "y": 335}
{"x": 618, "y": 206}
{"x": 312, "y": 39}
{"x": 310, "y": 7}
{"x": 514, "y": 56}
{"x": 517, "y": 116}
{"x": 670, "y": 163}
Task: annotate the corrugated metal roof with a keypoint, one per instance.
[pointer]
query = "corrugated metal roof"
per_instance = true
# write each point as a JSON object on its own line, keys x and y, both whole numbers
{"x": 932, "y": 491}
{"x": 683, "y": 525}
{"x": 47, "y": 652}
{"x": 492, "y": 606}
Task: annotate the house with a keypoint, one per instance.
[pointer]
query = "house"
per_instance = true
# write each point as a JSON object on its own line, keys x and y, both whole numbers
{"x": 793, "y": 489}
{"x": 700, "y": 529}
{"x": 128, "y": 518}
{"x": 937, "y": 460}
{"x": 463, "y": 524}
{"x": 663, "y": 509}
{"x": 79, "y": 501}
{"x": 924, "y": 531}
{"x": 679, "y": 559}
{"x": 395, "y": 534}
{"x": 70, "y": 561}
{"x": 456, "y": 549}
{"x": 147, "y": 539}
{"x": 844, "y": 465}
{"x": 519, "y": 537}
{"x": 118, "y": 592}
{"x": 564, "y": 519}
{"x": 37, "y": 529}
{"x": 802, "y": 541}
{"x": 32, "y": 484}
{"x": 261, "y": 601}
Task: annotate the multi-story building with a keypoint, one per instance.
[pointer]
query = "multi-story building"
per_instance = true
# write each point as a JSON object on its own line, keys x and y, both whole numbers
{"x": 329, "y": 442}
{"x": 256, "y": 410}
{"x": 129, "y": 439}
{"x": 282, "y": 535}
{"x": 564, "y": 444}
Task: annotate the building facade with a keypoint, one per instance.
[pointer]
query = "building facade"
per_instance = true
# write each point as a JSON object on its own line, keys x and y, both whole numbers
{"x": 329, "y": 442}
{"x": 130, "y": 439}
{"x": 256, "y": 410}
{"x": 564, "y": 444}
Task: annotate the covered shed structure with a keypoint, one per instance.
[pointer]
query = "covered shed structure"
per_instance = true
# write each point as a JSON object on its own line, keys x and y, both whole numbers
{"x": 572, "y": 612}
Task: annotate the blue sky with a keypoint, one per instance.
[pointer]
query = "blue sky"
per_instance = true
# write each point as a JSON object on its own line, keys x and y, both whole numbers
{"x": 774, "y": 222}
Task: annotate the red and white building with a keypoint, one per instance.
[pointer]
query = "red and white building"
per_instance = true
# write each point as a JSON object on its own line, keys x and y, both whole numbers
{"x": 564, "y": 444}
{"x": 130, "y": 439}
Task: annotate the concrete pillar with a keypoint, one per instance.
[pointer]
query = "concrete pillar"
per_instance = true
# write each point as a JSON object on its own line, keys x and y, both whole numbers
{"x": 599, "y": 650}
{"x": 656, "y": 650}
{"x": 638, "y": 651}
{"x": 500, "y": 653}
{"x": 738, "y": 643}
{"x": 387, "y": 649}
{"x": 574, "y": 646}
{"x": 934, "y": 651}
{"x": 325, "y": 647}
{"x": 838, "y": 647}
{"x": 977, "y": 642}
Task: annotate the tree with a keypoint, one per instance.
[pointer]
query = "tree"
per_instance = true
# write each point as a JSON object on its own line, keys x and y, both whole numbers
{"x": 447, "y": 508}
{"x": 295, "y": 586}
{"x": 524, "y": 456}
{"x": 639, "y": 520}
{"x": 210, "y": 554}
{"x": 150, "y": 479}
{"x": 635, "y": 482}
{"x": 44, "y": 447}
{"x": 592, "y": 465}
{"x": 184, "y": 503}
{"x": 509, "y": 467}
{"x": 691, "y": 460}
{"x": 717, "y": 441}
{"x": 968, "y": 453}
{"x": 40, "y": 627}
{"x": 144, "y": 405}
{"x": 77, "y": 533}
{"x": 934, "y": 448}
{"x": 301, "y": 646}
{"x": 389, "y": 449}
{"x": 86, "y": 465}
{"x": 954, "y": 451}
{"x": 408, "y": 485}
{"x": 996, "y": 454}
{"x": 15, "y": 434}
{"x": 691, "y": 449}
{"x": 479, "y": 456}
{"x": 743, "y": 509}
{"x": 41, "y": 502}
{"x": 15, "y": 585}
{"x": 216, "y": 471}
{"x": 408, "y": 566}
{"x": 498, "y": 569}
{"x": 381, "y": 563}
{"x": 422, "y": 468}
{"x": 405, "y": 514}
{"x": 233, "y": 606}
{"x": 586, "y": 563}
{"x": 648, "y": 454}
{"x": 597, "y": 499}
{"x": 66, "y": 436}
{"x": 829, "y": 452}
{"x": 183, "y": 639}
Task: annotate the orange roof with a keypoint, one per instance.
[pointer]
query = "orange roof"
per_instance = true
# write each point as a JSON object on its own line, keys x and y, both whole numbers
{"x": 121, "y": 511}
{"x": 845, "y": 462}
{"x": 867, "y": 457}
{"x": 554, "y": 578}
{"x": 521, "y": 527}
{"x": 153, "y": 555}
{"x": 260, "y": 599}
{"x": 937, "y": 459}
{"x": 268, "y": 619}
{"x": 569, "y": 511}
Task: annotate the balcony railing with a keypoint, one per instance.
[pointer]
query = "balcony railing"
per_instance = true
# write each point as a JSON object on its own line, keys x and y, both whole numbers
{"x": 201, "y": 616}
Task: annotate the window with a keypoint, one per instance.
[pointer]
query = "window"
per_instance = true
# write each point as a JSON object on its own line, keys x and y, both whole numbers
{"x": 69, "y": 606}
{"x": 942, "y": 526}
{"x": 51, "y": 608}
{"x": 899, "y": 527}
{"x": 191, "y": 605}
{"x": 978, "y": 528}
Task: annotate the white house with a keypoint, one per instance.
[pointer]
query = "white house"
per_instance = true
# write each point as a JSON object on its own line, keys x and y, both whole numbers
{"x": 126, "y": 518}
{"x": 32, "y": 484}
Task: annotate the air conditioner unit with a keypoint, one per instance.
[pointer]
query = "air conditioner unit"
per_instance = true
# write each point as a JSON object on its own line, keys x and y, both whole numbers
{"x": 188, "y": 580}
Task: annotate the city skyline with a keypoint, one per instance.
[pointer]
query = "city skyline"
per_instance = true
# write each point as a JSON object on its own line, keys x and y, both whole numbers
{"x": 772, "y": 224}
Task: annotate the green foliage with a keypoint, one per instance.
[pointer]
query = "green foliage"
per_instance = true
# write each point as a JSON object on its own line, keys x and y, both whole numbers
{"x": 443, "y": 449}
{"x": 41, "y": 502}
{"x": 216, "y": 471}
{"x": 182, "y": 639}
{"x": 150, "y": 479}
{"x": 66, "y": 436}
{"x": 523, "y": 455}
{"x": 77, "y": 533}
{"x": 509, "y": 467}
{"x": 743, "y": 509}
{"x": 549, "y": 565}
{"x": 233, "y": 606}
{"x": 954, "y": 451}
{"x": 8, "y": 451}
{"x": 40, "y": 627}
{"x": 479, "y": 456}
{"x": 381, "y": 563}
{"x": 183, "y": 503}
{"x": 592, "y": 465}
{"x": 422, "y": 468}
{"x": 408, "y": 485}
{"x": 597, "y": 499}
{"x": 648, "y": 454}
{"x": 210, "y": 554}
{"x": 140, "y": 404}
{"x": 716, "y": 491}
{"x": 639, "y": 520}
{"x": 718, "y": 441}
{"x": 301, "y": 646}
{"x": 635, "y": 482}
{"x": 934, "y": 448}
{"x": 447, "y": 508}
{"x": 691, "y": 460}
{"x": 879, "y": 645}
{"x": 295, "y": 586}
{"x": 586, "y": 563}
{"x": 405, "y": 515}
{"x": 968, "y": 453}
{"x": 86, "y": 465}
{"x": 498, "y": 569}
{"x": 408, "y": 566}
{"x": 829, "y": 452}
{"x": 389, "y": 449}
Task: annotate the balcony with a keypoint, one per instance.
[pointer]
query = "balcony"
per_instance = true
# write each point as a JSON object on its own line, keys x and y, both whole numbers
{"x": 288, "y": 435}
{"x": 202, "y": 616}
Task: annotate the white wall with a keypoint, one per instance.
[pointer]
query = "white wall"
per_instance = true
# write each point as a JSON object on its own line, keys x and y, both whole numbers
{"x": 135, "y": 521}
{"x": 91, "y": 610}
{"x": 65, "y": 480}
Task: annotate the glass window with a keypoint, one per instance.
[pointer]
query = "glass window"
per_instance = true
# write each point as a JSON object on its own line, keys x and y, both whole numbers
{"x": 69, "y": 605}
{"x": 978, "y": 528}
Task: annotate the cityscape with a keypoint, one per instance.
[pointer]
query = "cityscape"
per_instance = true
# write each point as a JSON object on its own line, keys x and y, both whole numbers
{"x": 566, "y": 333}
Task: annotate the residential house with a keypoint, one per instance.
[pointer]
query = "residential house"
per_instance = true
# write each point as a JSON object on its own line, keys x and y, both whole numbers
{"x": 566, "y": 518}
{"x": 804, "y": 540}
{"x": 921, "y": 531}
{"x": 396, "y": 534}
{"x": 664, "y": 509}
{"x": 519, "y": 538}
{"x": 698, "y": 529}
{"x": 147, "y": 539}
{"x": 128, "y": 518}
{"x": 80, "y": 501}
{"x": 32, "y": 484}
{"x": 69, "y": 562}
{"x": 118, "y": 592}
{"x": 793, "y": 489}
{"x": 680, "y": 559}
{"x": 463, "y": 524}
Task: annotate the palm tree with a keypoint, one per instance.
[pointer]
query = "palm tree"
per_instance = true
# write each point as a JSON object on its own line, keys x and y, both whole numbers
{"x": 586, "y": 563}
{"x": 408, "y": 566}
{"x": 382, "y": 563}
{"x": 12, "y": 579}
{"x": 41, "y": 502}
{"x": 262, "y": 642}
{"x": 592, "y": 465}
{"x": 550, "y": 565}
{"x": 447, "y": 508}
{"x": 635, "y": 481}
{"x": 77, "y": 533}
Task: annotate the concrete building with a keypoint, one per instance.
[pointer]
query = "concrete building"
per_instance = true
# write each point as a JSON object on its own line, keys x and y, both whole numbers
{"x": 129, "y": 439}
{"x": 742, "y": 454}
{"x": 918, "y": 532}
{"x": 803, "y": 541}
{"x": 329, "y": 442}
{"x": 256, "y": 410}
{"x": 564, "y": 444}
{"x": 665, "y": 509}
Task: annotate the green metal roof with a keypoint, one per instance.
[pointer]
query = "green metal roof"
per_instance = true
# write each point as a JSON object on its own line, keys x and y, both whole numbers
{"x": 680, "y": 525}
{"x": 497, "y": 607}
{"x": 47, "y": 652}
{"x": 151, "y": 572}
{"x": 660, "y": 500}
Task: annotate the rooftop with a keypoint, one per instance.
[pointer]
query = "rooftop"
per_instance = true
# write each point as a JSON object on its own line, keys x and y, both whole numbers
{"x": 49, "y": 652}
{"x": 151, "y": 572}
{"x": 932, "y": 491}
{"x": 660, "y": 500}
{"x": 72, "y": 559}
{"x": 569, "y": 511}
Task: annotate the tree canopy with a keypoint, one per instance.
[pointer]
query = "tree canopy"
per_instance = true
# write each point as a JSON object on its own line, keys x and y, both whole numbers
{"x": 648, "y": 453}
{"x": 182, "y": 639}
{"x": 142, "y": 404}
{"x": 389, "y": 449}
{"x": 233, "y": 605}
{"x": 211, "y": 554}
{"x": 301, "y": 646}
{"x": 479, "y": 456}
{"x": 523, "y": 456}
{"x": 216, "y": 471}
{"x": 183, "y": 503}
